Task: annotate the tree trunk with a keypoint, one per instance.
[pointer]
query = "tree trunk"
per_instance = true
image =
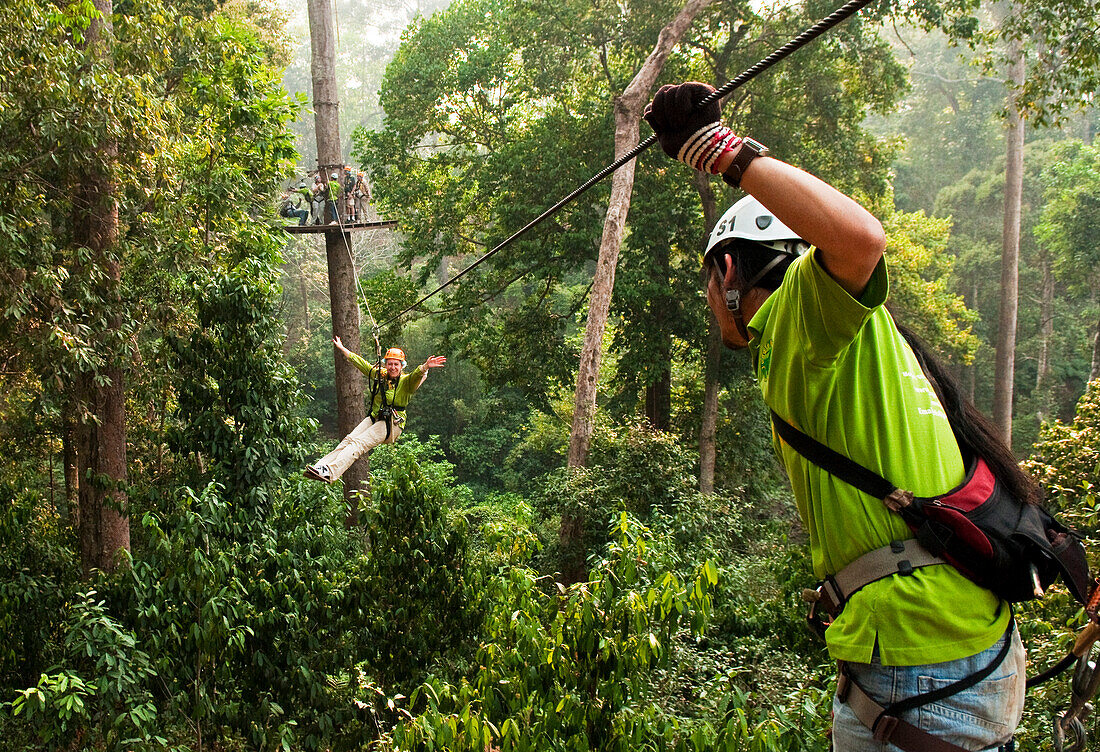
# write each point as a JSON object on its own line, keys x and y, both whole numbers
{"x": 658, "y": 393}
{"x": 341, "y": 270}
{"x": 658, "y": 396}
{"x": 1094, "y": 371}
{"x": 1010, "y": 251}
{"x": 1046, "y": 336}
{"x": 708, "y": 430}
{"x": 101, "y": 448}
{"x": 71, "y": 512}
{"x": 971, "y": 386}
{"x": 628, "y": 112}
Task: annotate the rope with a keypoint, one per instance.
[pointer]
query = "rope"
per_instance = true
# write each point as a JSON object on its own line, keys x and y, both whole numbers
{"x": 807, "y": 36}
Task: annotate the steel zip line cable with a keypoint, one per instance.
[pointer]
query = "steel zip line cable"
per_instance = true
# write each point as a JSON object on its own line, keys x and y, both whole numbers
{"x": 840, "y": 14}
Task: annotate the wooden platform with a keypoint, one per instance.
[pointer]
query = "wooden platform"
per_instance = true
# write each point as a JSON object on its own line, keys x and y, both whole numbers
{"x": 348, "y": 226}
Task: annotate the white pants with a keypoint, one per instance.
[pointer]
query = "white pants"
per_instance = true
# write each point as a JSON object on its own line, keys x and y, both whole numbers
{"x": 363, "y": 438}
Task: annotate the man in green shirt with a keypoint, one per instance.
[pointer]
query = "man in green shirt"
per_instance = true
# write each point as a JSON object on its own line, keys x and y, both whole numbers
{"x": 392, "y": 394}
{"x": 830, "y": 361}
{"x": 334, "y": 199}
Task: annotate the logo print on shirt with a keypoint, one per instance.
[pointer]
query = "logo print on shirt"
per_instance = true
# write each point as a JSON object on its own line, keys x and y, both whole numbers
{"x": 765, "y": 360}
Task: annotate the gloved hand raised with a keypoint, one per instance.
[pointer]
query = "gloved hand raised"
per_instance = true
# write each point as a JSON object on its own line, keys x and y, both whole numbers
{"x": 693, "y": 136}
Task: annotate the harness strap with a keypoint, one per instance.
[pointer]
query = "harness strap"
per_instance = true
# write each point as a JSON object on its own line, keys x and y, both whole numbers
{"x": 890, "y": 729}
{"x": 899, "y": 557}
{"x": 848, "y": 470}
{"x": 884, "y": 721}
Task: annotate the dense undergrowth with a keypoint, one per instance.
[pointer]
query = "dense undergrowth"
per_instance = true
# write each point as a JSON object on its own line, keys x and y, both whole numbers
{"x": 439, "y": 624}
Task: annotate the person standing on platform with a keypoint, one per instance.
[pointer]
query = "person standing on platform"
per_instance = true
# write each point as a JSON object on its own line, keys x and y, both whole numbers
{"x": 349, "y": 196}
{"x": 320, "y": 194}
{"x": 333, "y": 199}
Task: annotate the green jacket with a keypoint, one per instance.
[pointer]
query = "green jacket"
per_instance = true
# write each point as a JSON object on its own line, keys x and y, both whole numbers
{"x": 398, "y": 393}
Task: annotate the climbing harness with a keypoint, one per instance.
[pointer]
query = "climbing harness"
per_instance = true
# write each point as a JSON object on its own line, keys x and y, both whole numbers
{"x": 1004, "y": 544}
{"x": 1011, "y": 547}
{"x": 808, "y": 35}
{"x": 385, "y": 410}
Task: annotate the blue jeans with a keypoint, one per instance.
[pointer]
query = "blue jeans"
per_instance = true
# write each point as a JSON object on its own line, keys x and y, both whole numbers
{"x": 982, "y": 717}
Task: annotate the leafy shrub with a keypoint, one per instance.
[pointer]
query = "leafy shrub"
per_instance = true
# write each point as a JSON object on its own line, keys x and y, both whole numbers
{"x": 634, "y": 469}
{"x": 246, "y": 618}
{"x": 568, "y": 670}
{"x": 100, "y": 696}
{"x": 238, "y": 400}
{"x": 423, "y": 603}
{"x": 435, "y": 475}
{"x": 39, "y": 572}
{"x": 1066, "y": 461}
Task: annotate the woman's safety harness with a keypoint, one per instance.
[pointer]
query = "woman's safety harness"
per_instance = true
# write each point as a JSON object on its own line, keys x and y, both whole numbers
{"x": 1009, "y": 546}
{"x": 386, "y": 411}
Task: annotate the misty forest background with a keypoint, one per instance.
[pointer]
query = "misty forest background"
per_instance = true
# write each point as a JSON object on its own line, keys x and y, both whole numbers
{"x": 514, "y": 579}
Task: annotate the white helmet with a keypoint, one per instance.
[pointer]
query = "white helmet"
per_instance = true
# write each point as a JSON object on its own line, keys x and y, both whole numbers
{"x": 749, "y": 220}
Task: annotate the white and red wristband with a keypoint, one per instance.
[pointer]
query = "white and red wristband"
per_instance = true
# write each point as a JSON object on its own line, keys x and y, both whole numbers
{"x": 702, "y": 149}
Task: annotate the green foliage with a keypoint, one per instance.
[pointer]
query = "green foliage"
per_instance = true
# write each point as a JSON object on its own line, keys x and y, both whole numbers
{"x": 247, "y": 618}
{"x": 950, "y": 119}
{"x": 1071, "y": 216}
{"x": 631, "y": 468}
{"x": 435, "y": 475}
{"x": 1066, "y": 461}
{"x": 100, "y": 696}
{"x": 568, "y": 670}
{"x": 424, "y": 603}
{"x": 237, "y": 399}
{"x": 38, "y": 576}
{"x": 919, "y": 274}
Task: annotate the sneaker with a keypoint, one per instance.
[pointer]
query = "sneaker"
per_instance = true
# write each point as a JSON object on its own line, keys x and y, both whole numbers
{"x": 318, "y": 472}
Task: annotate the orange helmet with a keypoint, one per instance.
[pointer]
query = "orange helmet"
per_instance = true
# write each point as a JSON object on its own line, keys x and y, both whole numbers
{"x": 395, "y": 353}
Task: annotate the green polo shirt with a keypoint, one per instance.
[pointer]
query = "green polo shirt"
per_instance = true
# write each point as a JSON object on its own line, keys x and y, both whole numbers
{"x": 398, "y": 393}
{"x": 838, "y": 369}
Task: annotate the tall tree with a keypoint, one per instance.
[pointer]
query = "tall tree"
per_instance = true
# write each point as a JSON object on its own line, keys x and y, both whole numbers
{"x": 1005, "y": 364}
{"x": 1069, "y": 223}
{"x": 101, "y": 452}
{"x": 628, "y": 113}
{"x": 712, "y": 360}
{"x": 140, "y": 149}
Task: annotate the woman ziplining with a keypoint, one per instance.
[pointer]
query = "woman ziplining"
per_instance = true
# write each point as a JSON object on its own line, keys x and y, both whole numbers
{"x": 391, "y": 391}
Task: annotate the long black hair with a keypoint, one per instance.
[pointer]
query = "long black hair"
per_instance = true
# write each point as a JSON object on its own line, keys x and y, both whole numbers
{"x": 974, "y": 432}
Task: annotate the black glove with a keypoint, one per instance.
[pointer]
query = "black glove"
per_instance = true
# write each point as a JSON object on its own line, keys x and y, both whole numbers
{"x": 694, "y": 136}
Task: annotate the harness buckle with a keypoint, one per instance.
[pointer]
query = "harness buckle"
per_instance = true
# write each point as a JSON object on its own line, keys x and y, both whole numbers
{"x": 843, "y": 683}
{"x": 898, "y": 499}
{"x": 814, "y": 620}
{"x": 885, "y": 727}
{"x": 733, "y": 300}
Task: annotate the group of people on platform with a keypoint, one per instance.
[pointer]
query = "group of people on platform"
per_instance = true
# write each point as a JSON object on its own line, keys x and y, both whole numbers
{"x": 340, "y": 199}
